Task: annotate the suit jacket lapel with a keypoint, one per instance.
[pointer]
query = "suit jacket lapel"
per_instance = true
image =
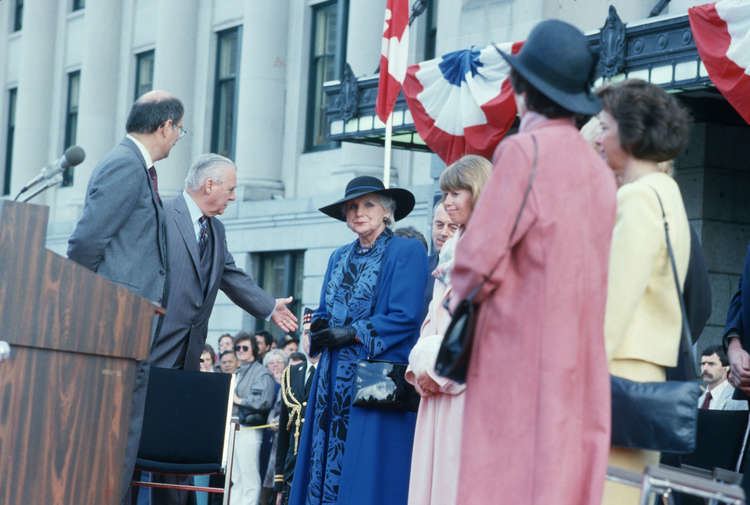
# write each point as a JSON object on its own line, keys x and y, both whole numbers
{"x": 218, "y": 259}
{"x": 185, "y": 227}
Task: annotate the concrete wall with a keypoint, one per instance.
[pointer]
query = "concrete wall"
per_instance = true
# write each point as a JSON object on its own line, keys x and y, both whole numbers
{"x": 714, "y": 176}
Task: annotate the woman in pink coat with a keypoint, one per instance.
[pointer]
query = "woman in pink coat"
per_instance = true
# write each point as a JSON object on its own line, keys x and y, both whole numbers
{"x": 437, "y": 438}
{"x": 537, "y": 407}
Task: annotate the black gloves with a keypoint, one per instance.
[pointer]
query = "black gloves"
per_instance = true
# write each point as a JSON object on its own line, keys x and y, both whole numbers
{"x": 333, "y": 337}
{"x": 317, "y": 325}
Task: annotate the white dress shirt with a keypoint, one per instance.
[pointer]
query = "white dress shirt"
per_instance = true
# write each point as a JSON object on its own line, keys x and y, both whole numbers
{"x": 195, "y": 215}
{"x": 143, "y": 150}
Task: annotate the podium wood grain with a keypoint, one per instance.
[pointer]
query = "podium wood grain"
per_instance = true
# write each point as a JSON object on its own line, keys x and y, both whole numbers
{"x": 65, "y": 393}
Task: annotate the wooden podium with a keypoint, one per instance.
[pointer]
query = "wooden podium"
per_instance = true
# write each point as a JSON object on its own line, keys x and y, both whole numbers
{"x": 65, "y": 393}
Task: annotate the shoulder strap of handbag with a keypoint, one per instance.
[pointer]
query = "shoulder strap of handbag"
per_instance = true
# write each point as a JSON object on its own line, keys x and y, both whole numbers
{"x": 532, "y": 175}
{"x": 686, "y": 347}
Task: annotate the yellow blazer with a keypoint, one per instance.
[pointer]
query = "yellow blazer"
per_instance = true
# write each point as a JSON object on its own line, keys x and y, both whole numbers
{"x": 643, "y": 319}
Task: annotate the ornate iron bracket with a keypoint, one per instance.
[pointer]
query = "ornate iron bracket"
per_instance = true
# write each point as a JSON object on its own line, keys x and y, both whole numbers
{"x": 612, "y": 45}
{"x": 349, "y": 94}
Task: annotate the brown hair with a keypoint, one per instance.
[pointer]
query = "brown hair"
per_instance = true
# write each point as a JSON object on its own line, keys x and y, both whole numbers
{"x": 653, "y": 125}
{"x": 470, "y": 172}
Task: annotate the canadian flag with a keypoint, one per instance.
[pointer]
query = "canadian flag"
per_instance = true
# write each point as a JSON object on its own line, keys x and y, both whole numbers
{"x": 722, "y": 36}
{"x": 394, "y": 53}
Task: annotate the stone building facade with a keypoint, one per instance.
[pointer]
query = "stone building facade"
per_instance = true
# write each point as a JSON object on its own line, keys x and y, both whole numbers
{"x": 250, "y": 73}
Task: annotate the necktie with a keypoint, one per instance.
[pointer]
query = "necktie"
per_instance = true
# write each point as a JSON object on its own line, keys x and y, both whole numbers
{"x": 706, "y": 401}
{"x": 203, "y": 235}
{"x": 308, "y": 382}
{"x": 154, "y": 181}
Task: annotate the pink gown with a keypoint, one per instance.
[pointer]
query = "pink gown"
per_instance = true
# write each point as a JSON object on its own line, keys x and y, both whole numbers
{"x": 437, "y": 437}
{"x": 537, "y": 408}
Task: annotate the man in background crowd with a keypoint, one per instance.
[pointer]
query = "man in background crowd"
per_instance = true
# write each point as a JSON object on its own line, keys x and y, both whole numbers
{"x": 265, "y": 343}
{"x": 228, "y": 362}
{"x": 442, "y": 229}
{"x": 719, "y": 393}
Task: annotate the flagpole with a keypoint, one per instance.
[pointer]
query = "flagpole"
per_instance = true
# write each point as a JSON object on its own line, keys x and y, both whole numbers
{"x": 388, "y": 142}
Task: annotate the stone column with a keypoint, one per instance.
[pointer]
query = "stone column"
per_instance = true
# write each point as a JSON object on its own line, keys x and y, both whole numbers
{"x": 36, "y": 87}
{"x": 173, "y": 72}
{"x": 260, "y": 104}
{"x": 363, "y": 39}
{"x": 363, "y": 42}
{"x": 100, "y": 81}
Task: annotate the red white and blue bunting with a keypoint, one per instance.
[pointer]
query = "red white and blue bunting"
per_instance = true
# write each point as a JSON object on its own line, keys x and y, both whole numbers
{"x": 722, "y": 35}
{"x": 462, "y": 102}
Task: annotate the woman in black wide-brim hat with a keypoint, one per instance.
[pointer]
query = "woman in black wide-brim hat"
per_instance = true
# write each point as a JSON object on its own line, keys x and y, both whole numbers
{"x": 371, "y": 307}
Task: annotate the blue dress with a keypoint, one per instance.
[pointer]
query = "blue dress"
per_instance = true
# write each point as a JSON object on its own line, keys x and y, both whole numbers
{"x": 347, "y": 454}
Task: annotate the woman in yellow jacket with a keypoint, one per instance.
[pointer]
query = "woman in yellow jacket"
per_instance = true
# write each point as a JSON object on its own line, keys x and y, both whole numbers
{"x": 642, "y": 126}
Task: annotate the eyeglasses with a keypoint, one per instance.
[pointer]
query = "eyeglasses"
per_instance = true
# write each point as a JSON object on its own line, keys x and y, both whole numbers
{"x": 181, "y": 129}
{"x": 205, "y": 360}
{"x": 243, "y": 348}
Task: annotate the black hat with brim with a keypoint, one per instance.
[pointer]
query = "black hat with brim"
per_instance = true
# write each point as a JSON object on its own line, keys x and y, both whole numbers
{"x": 366, "y": 185}
{"x": 557, "y": 61}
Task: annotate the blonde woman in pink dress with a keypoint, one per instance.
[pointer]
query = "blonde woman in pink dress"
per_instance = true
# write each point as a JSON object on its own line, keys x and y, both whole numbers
{"x": 437, "y": 438}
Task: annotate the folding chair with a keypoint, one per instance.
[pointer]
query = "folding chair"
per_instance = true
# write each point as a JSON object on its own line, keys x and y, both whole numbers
{"x": 188, "y": 428}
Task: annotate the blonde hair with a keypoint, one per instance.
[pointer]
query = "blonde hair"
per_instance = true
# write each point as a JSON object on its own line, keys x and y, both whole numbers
{"x": 470, "y": 172}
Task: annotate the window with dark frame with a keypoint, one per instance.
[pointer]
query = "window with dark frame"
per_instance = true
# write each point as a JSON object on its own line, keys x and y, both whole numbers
{"x": 71, "y": 119}
{"x": 326, "y": 57}
{"x": 280, "y": 273}
{"x": 223, "y": 130}
{"x": 144, "y": 72}
{"x": 78, "y": 5}
{"x": 17, "y": 15}
{"x": 9, "y": 134}
{"x": 430, "y": 39}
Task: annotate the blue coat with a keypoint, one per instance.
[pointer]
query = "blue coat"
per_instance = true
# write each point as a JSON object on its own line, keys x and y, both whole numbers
{"x": 347, "y": 454}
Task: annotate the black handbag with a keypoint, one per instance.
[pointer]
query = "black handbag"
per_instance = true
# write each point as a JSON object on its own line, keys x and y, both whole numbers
{"x": 382, "y": 385}
{"x": 660, "y": 416}
{"x": 455, "y": 349}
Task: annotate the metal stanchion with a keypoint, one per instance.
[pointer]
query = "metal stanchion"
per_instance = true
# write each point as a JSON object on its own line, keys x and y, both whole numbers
{"x": 664, "y": 480}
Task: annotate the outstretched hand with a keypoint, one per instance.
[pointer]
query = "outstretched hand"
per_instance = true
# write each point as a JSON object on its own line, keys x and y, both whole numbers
{"x": 283, "y": 317}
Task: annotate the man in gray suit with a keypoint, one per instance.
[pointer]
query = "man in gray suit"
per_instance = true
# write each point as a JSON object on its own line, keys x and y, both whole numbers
{"x": 122, "y": 235}
{"x": 200, "y": 264}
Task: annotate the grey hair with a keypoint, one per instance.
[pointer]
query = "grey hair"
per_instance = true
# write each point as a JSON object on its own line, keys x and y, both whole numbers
{"x": 388, "y": 203}
{"x": 205, "y": 167}
{"x": 275, "y": 353}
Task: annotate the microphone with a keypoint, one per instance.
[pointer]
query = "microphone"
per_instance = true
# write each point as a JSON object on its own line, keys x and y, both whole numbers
{"x": 72, "y": 156}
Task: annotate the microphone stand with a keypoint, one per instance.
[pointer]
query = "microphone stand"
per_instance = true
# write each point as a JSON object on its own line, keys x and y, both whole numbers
{"x": 33, "y": 182}
{"x": 54, "y": 182}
